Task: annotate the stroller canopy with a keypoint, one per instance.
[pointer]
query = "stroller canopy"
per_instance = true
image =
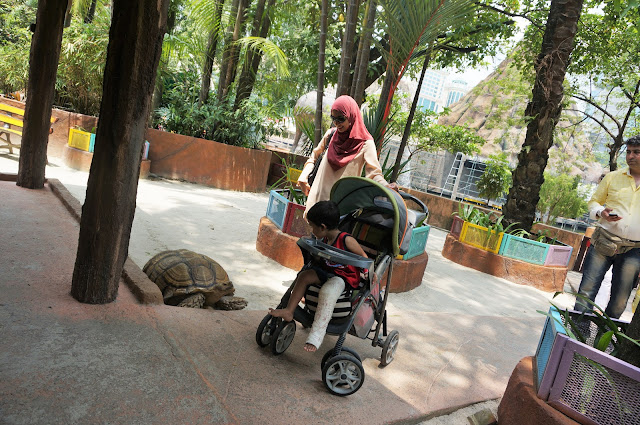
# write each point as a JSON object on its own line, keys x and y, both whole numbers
{"x": 354, "y": 193}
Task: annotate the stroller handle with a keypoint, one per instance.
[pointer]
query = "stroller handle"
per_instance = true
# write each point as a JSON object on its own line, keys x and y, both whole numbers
{"x": 331, "y": 253}
{"x": 415, "y": 200}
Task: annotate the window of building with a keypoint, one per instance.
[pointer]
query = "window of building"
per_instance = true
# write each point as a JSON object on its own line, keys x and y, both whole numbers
{"x": 427, "y": 104}
{"x": 453, "y": 97}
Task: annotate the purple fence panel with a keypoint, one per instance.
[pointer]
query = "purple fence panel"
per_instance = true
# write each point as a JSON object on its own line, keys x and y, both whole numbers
{"x": 593, "y": 387}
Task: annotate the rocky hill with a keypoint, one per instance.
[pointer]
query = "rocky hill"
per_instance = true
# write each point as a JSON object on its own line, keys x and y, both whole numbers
{"x": 495, "y": 110}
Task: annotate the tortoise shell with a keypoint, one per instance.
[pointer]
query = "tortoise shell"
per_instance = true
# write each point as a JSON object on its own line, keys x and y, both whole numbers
{"x": 182, "y": 273}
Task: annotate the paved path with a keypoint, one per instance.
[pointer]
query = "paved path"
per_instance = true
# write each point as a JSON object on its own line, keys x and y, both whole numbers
{"x": 462, "y": 331}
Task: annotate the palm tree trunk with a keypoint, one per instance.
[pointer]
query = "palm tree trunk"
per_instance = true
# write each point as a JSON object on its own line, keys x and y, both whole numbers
{"x": 362, "y": 60}
{"x": 228, "y": 38}
{"x": 544, "y": 111}
{"x": 212, "y": 47}
{"x": 43, "y": 66}
{"x": 407, "y": 127}
{"x": 317, "y": 135}
{"x": 261, "y": 26}
{"x": 347, "y": 49}
{"x": 234, "y": 54}
{"x": 135, "y": 47}
{"x": 384, "y": 104}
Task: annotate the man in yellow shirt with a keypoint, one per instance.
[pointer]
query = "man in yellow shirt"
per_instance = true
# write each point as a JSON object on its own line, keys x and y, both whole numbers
{"x": 616, "y": 203}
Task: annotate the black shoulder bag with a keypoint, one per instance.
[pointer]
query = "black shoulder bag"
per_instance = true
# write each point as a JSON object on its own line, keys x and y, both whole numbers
{"x": 316, "y": 165}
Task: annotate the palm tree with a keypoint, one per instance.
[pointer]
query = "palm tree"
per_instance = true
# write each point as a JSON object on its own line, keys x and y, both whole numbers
{"x": 410, "y": 26}
{"x": 543, "y": 110}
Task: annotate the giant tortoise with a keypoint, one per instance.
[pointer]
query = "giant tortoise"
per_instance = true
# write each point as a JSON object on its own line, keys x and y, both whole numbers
{"x": 188, "y": 279}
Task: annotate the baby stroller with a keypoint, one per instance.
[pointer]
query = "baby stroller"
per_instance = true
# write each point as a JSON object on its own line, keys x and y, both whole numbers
{"x": 380, "y": 221}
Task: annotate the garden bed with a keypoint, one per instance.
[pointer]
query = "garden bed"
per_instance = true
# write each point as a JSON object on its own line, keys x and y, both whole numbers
{"x": 545, "y": 278}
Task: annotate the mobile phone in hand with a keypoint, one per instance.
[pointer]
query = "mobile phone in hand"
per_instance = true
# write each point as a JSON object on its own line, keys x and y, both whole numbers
{"x": 612, "y": 214}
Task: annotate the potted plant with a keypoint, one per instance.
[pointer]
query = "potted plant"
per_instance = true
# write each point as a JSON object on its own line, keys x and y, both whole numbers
{"x": 576, "y": 369}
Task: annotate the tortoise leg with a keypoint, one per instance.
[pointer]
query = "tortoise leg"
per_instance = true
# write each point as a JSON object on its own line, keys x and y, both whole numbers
{"x": 193, "y": 301}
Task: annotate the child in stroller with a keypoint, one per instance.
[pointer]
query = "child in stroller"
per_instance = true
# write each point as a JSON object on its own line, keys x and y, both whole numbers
{"x": 324, "y": 218}
{"x": 380, "y": 222}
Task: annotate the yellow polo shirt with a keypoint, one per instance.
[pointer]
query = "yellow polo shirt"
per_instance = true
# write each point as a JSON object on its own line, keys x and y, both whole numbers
{"x": 618, "y": 191}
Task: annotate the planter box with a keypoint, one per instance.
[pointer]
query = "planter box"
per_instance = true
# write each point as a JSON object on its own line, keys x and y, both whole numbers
{"x": 294, "y": 222}
{"x": 456, "y": 227}
{"x": 584, "y": 383}
{"x": 524, "y": 249}
{"x": 593, "y": 387}
{"x": 277, "y": 208}
{"x": 535, "y": 252}
{"x": 286, "y": 214}
{"x": 418, "y": 243}
{"x": 478, "y": 236}
{"x": 558, "y": 255}
{"x": 81, "y": 140}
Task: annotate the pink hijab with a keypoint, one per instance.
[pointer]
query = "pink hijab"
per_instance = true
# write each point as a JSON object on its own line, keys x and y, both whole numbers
{"x": 345, "y": 146}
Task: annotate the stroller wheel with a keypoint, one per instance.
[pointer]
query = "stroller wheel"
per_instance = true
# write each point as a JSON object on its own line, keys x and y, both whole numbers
{"x": 263, "y": 334}
{"x": 345, "y": 350}
{"x": 389, "y": 348}
{"x": 282, "y": 337}
{"x": 343, "y": 374}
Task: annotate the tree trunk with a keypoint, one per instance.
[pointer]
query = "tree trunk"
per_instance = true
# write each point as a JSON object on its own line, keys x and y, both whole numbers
{"x": 91, "y": 12}
{"x": 227, "y": 49}
{"x": 135, "y": 46}
{"x": 261, "y": 26}
{"x": 43, "y": 66}
{"x": 212, "y": 46}
{"x": 362, "y": 61}
{"x": 347, "y": 49}
{"x": 544, "y": 111}
{"x": 407, "y": 128}
{"x": 384, "y": 104}
{"x": 67, "y": 15}
{"x": 234, "y": 50}
{"x": 317, "y": 135}
{"x": 630, "y": 352}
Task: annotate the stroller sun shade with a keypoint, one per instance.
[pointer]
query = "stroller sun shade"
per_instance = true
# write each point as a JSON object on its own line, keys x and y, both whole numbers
{"x": 354, "y": 193}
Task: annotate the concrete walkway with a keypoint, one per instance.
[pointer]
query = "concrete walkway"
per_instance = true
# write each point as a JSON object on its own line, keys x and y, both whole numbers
{"x": 462, "y": 331}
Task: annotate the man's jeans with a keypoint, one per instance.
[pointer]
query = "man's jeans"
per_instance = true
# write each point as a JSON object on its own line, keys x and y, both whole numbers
{"x": 624, "y": 275}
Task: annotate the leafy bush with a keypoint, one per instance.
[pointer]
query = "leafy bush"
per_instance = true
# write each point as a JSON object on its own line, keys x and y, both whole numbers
{"x": 560, "y": 196}
{"x": 82, "y": 59}
{"x": 496, "y": 179}
{"x": 15, "y": 42}
{"x": 180, "y": 113}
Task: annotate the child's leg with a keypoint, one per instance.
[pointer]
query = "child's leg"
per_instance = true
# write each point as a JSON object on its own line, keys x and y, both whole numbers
{"x": 304, "y": 279}
{"x": 327, "y": 298}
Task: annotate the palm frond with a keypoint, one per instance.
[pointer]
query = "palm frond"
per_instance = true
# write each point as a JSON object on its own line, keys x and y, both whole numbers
{"x": 270, "y": 50}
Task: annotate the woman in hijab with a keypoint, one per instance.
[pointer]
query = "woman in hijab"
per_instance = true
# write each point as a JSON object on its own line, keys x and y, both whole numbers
{"x": 350, "y": 149}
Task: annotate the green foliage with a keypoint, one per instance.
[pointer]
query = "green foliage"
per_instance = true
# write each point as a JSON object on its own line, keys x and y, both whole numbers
{"x": 496, "y": 179}
{"x": 490, "y": 220}
{"x": 449, "y": 138}
{"x": 609, "y": 332}
{"x": 180, "y": 113}
{"x": 560, "y": 197}
{"x": 15, "y": 41}
{"x": 292, "y": 193}
{"x": 82, "y": 59}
